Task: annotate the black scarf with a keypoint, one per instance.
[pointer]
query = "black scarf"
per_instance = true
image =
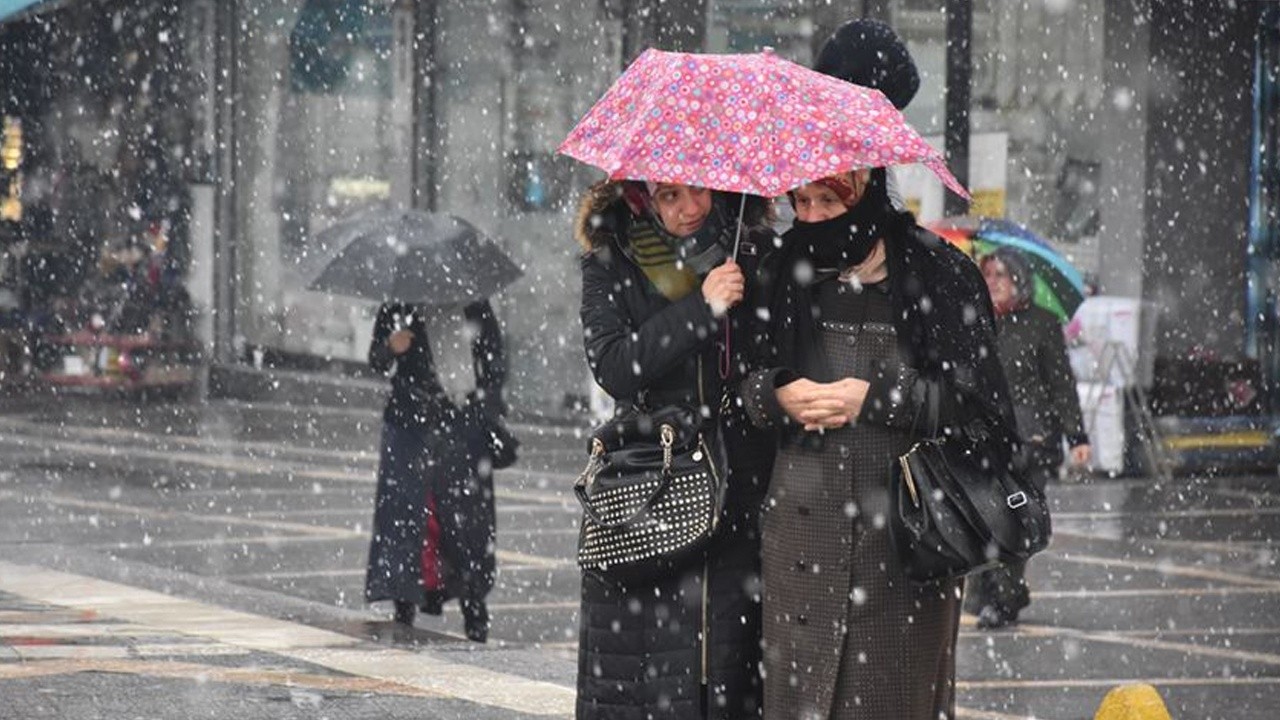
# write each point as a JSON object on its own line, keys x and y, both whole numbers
{"x": 941, "y": 311}
{"x": 847, "y": 239}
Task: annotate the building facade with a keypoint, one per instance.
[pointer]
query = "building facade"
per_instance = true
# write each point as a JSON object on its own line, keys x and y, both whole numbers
{"x": 1134, "y": 134}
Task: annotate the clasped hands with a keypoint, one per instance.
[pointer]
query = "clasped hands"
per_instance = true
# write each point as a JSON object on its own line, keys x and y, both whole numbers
{"x": 823, "y": 406}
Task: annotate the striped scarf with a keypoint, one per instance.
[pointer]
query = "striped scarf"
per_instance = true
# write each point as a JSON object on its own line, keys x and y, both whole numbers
{"x": 658, "y": 261}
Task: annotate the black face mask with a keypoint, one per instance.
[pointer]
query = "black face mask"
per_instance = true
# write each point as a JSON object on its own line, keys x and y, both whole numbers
{"x": 845, "y": 240}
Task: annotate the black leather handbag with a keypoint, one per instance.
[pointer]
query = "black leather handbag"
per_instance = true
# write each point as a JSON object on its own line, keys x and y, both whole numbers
{"x": 494, "y": 438}
{"x": 651, "y": 494}
{"x": 958, "y": 506}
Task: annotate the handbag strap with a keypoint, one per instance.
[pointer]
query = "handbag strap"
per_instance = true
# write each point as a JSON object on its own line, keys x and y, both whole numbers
{"x": 580, "y": 487}
{"x": 580, "y": 491}
{"x": 929, "y": 407}
{"x": 934, "y": 393}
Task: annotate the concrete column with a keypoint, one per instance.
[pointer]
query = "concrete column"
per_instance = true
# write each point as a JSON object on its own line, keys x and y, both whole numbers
{"x": 959, "y": 85}
{"x": 676, "y": 26}
{"x": 200, "y": 33}
{"x": 225, "y": 278}
{"x": 1122, "y": 129}
{"x": 400, "y": 161}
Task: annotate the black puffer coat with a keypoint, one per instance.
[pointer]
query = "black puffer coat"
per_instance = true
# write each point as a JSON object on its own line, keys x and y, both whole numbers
{"x": 641, "y": 650}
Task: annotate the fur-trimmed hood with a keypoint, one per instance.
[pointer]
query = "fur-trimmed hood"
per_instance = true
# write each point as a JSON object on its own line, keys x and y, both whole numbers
{"x": 597, "y": 214}
{"x": 601, "y": 211}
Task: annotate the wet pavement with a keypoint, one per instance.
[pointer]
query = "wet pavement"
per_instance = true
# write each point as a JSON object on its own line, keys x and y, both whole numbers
{"x": 206, "y": 560}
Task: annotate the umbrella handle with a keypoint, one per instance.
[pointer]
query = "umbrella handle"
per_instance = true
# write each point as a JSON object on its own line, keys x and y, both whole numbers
{"x": 726, "y": 358}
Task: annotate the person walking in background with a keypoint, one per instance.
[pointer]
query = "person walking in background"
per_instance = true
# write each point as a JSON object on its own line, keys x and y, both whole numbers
{"x": 1046, "y": 405}
{"x": 434, "y": 525}
{"x": 870, "y": 313}
{"x": 658, "y": 292}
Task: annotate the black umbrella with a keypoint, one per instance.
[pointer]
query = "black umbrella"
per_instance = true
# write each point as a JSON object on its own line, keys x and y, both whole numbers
{"x": 413, "y": 256}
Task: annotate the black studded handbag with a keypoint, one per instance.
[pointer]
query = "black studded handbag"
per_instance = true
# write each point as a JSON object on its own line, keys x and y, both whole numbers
{"x": 957, "y": 506}
{"x": 651, "y": 494}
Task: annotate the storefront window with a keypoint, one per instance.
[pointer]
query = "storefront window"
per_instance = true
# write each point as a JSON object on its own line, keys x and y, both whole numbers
{"x": 94, "y": 163}
{"x": 315, "y": 144}
{"x": 513, "y": 79}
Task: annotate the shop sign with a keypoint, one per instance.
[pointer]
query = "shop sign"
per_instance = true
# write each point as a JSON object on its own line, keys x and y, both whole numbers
{"x": 988, "y": 179}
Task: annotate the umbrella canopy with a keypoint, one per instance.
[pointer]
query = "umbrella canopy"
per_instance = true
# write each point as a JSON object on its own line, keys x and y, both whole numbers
{"x": 12, "y": 7}
{"x": 1058, "y": 285}
{"x": 413, "y": 256}
{"x": 751, "y": 123}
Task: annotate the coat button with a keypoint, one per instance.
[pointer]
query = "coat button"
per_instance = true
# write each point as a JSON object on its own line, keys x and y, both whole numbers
{"x": 803, "y": 510}
{"x": 801, "y": 566}
{"x": 802, "y": 619}
{"x": 844, "y": 451}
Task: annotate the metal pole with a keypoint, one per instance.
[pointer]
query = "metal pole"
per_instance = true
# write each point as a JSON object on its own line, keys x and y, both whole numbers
{"x": 428, "y": 120}
{"x": 877, "y": 10}
{"x": 679, "y": 26}
{"x": 959, "y": 79}
{"x": 225, "y": 261}
{"x": 635, "y": 31}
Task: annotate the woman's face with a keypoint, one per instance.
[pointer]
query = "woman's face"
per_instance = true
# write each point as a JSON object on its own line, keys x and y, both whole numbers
{"x": 682, "y": 208}
{"x": 999, "y": 282}
{"x": 816, "y": 202}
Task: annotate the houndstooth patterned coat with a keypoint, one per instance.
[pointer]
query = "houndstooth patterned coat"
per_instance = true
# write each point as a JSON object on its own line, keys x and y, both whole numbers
{"x": 846, "y": 635}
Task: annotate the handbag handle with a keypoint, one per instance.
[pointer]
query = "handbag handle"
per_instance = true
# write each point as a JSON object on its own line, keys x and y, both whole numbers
{"x": 667, "y": 436}
{"x": 930, "y": 407}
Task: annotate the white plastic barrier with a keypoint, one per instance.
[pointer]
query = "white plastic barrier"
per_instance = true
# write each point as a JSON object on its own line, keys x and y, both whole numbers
{"x": 1103, "y": 407}
{"x": 1126, "y": 324}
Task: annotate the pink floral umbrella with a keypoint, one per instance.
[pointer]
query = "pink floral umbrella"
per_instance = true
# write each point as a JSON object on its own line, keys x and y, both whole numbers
{"x": 752, "y": 123}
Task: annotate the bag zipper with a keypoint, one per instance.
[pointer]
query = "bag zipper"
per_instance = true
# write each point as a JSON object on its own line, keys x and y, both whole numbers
{"x": 706, "y": 565}
{"x": 706, "y": 626}
{"x": 711, "y": 464}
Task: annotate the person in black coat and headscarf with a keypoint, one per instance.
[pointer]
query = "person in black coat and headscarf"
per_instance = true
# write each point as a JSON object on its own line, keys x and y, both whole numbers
{"x": 869, "y": 53}
{"x": 434, "y": 525}
{"x": 869, "y": 313}
{"x": 659, "y": 301}
{"x": 1045, "y": 403}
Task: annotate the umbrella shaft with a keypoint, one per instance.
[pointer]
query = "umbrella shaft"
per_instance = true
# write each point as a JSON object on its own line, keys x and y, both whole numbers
{"x": 737, "y": 238}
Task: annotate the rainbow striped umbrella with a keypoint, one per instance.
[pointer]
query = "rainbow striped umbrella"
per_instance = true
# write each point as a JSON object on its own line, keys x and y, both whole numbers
{"x": 1059, "y": 287}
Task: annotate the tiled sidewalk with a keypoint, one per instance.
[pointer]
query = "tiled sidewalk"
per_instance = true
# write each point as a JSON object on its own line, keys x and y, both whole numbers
{"x": 76, "y": 647}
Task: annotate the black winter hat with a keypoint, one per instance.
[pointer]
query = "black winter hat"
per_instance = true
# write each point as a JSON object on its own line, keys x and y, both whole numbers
{"x": 869, "y": 53}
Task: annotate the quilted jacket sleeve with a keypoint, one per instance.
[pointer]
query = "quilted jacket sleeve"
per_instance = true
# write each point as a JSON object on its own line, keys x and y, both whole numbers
{"x": 626, "y": 356}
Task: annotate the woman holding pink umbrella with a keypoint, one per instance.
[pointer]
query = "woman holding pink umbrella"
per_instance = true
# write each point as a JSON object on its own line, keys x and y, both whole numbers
{"x": 870, "y": 312}
{"x": 659, "y": 292}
